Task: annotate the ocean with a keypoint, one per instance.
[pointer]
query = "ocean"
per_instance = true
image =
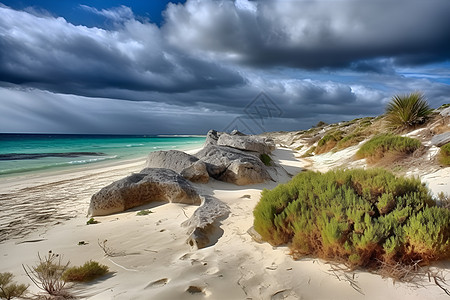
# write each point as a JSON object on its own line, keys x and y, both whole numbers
{"x": 27, "y": 153}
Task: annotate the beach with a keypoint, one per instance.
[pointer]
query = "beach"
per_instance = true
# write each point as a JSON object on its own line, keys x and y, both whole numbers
{"x": 151, "y": 257}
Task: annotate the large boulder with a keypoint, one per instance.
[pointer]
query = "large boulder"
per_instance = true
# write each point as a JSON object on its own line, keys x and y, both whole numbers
{"x": 141, "y": 188}
{"x": 211, "y": 137}
{"x": 440, "y": 139}
{"x": 204, "y": 223}
{"x": 187, "y": 165}
{"x": 233, "y": 165}
{"x": 246, "y": 142}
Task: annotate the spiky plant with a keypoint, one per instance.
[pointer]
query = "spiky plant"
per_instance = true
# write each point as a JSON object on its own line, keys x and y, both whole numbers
{"x": 405, "y": 111}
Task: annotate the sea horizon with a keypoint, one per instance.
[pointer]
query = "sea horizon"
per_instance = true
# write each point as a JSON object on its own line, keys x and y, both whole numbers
{"x": 37, "y": 152}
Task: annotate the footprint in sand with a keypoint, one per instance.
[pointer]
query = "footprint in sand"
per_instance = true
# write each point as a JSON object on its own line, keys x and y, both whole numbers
{"x": 158, "y": 283}
{"x": 195, "y": 290}
{"x": 284, "y": 295}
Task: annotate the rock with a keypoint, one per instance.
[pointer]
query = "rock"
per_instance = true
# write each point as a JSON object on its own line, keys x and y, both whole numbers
{"x": 237, "y": 132}
{"x": 196, "y": 172}
{"x": 233, "y": 165}
{"x": 173, "y": 159}
{"x": 211, "y": 137}
{"x": 205, "y": 221}
{"x": 440, "y": 139}
{"x": 187, "y": 165}
{"x": 141, "y": 188}
{"x": 445, "y": 112}
{"x": 247, "y": 143}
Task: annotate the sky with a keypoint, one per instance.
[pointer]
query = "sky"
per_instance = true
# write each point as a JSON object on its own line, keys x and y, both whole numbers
{"x": 184, "y": 67}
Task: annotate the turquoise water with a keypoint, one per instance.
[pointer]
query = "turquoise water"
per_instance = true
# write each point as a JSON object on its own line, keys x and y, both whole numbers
{"x": 24, "y": 153}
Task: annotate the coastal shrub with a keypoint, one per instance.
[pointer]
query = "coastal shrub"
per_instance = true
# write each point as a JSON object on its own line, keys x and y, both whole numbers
{"x": 87, "y": 272}
{"x": 266, "y": 159}
{"x": 406, "y": 111}
{"x": 360, "y": 217}
{"x": 387, "y": 144}
{"x": 91, "y": 221}
{"x": 144, "y": 212}
{"x": 444, "y": 155}
{"x": 47, "y": 274}
{"x": 309, "y": 152}
{"x": 10, "y": 289}
{"x": 328, "y": 142}
{"x": 349, "y": 140}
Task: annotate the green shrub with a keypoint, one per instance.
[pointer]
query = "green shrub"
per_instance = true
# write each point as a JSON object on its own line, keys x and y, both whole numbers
{"x": 91, "y": 221}
{"x": 349, "y": 140}
{"x": 407, "y": 110}
{"x": 381, "y": 145}
{"x": 144, "y": 212}
{"x": 87, "y": 272}
{"x": 444, "y": 155}
{"x": 328, "y": 142}
{"x": 359, "y": 217}
{"x": 309, "y": 152}
{"x": 10, "y": 289}
{"x": 266, "y": 159}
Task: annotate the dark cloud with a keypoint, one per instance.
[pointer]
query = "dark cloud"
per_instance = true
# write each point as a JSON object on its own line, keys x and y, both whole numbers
{"x": 52, "y": 54}
{"x": 316, "y": 60}
{"x": 313, "y": 34}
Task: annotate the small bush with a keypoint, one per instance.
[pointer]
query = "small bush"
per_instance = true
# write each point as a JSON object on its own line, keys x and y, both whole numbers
{"x": 328, "y": 142}
{"x": 444, "y": 155}
{"x": 349, "y": 140}
{"x": 406, "y": 111}
{"x": 87, "y": 272}
{"x": 91, "y": 221}
{"x": 144, "y": 212}
{"x": 266, "y": 159}
{"x": 309, "y": 152}
{"x": 381, "y": 145}
{"x": 360, "y": 217}
{"x": 10, "y": 289}
{"x": 47, "y": 274}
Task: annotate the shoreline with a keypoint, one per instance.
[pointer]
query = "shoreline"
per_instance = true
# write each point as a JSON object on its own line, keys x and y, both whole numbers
{"x": 157, "y": 263}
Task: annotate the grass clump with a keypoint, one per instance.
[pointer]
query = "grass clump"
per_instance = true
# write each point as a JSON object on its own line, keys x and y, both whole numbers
{"x": 349, "y": 140}
{"x": 363, "y": 218}
{"x": 309, "y": 152}
{"x": 444, "y": 155}
{"x": 405, "y": 111}
{"x": 266, "y": 159}
{"x": 10, "y": 289}
{"x": 91, "y": 221}
{"x": 328, "y": 142}
{"x": 144, "y": 212}
{"x": 87, "y": 272}
{"x": 387, "y": 144}
{"x": 47, "y": 274}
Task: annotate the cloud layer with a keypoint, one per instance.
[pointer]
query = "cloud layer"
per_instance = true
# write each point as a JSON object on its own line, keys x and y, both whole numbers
{"x": 329, "y": 60}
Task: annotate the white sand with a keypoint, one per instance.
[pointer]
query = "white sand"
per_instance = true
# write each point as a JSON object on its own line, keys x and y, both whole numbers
{"x": 156, "y": 263}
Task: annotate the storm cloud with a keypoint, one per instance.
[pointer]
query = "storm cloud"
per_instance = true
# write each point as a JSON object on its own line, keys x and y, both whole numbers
{"x": 316, "y": 60}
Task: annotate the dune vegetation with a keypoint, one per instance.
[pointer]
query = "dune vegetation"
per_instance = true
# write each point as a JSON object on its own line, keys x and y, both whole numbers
{"x": 387, "y": 144}
{"x": 363, "y": 218}
{"x": 444, "y": 155}
{"x": 406, "y": 111}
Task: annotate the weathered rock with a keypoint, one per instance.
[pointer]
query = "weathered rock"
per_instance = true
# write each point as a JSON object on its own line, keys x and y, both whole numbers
{"x": 247, "y": 143}
{"x": 440, "y": 139}
{"x": 144, "y": 187}
{"x": 205, "y": 222}
{"x": 237, "y": 132}
{"x": 187, "y": 165}
{"x": 196, "y": 172}
{"x": 172, "y": 159}
{"x": 445, "y": 112}
{"x": 233, "y": 165}
{"x": 211, "y": 137}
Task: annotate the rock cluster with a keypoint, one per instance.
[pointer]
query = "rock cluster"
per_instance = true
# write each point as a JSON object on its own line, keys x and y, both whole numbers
{"x": 233, "y": 158}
